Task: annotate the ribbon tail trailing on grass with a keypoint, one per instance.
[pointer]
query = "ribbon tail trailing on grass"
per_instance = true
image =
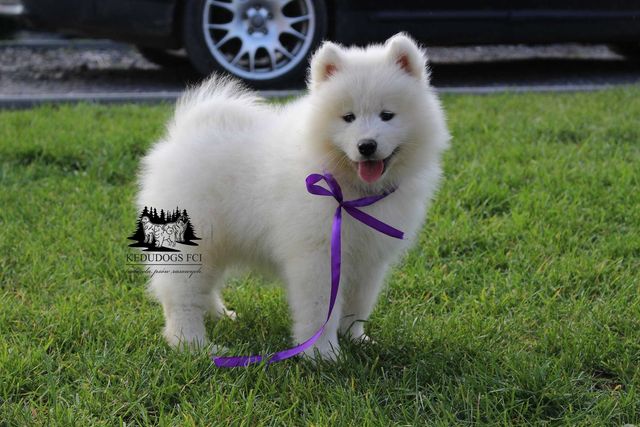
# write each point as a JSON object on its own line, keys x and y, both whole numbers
{"x": 351, "y": 207}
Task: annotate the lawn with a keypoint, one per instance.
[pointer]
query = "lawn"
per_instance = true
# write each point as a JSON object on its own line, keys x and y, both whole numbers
{"x": 519, "y": 305}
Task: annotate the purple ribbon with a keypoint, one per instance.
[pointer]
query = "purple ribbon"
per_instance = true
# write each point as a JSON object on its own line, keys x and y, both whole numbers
{"x": 351, "y": 207}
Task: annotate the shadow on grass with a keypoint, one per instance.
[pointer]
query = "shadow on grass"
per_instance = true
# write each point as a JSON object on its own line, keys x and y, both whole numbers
{"x": 427, "y": 362}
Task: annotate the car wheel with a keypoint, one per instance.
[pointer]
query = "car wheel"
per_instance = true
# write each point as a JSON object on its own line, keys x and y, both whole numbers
{"x": 161, "y": 57}
{"x": 264, "y": 42}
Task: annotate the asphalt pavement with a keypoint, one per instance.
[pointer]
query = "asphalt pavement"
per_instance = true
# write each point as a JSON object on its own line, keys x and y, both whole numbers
{"x": 33, "y": 70}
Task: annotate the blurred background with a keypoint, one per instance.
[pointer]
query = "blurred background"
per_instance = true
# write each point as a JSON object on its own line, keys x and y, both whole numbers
{"x": 154, "y": 48}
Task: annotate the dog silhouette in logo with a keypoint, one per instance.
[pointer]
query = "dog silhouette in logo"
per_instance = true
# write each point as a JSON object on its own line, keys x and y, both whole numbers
{"x": 180, "y": 226}
{"x": 149, "y": 229}
{"x": 165, "y": 235}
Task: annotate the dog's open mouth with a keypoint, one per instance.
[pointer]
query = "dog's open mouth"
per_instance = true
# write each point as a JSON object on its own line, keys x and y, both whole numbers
{"x": 371, "y": 170}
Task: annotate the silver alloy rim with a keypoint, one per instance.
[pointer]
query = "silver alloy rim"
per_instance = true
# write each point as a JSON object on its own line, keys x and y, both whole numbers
{"x": 259, "y": 39}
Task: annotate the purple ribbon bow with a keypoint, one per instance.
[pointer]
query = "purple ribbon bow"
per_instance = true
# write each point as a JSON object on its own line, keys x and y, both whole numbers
{"x": 351, "y": 207}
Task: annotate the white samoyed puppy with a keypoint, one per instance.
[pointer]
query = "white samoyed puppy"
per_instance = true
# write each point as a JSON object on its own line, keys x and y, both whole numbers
{"x": 238, "y": 165}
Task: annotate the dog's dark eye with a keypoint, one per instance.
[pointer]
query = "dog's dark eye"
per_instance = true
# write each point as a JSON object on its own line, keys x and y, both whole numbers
{"x": 349, "y": 117}
{"x": 385, "y": 116}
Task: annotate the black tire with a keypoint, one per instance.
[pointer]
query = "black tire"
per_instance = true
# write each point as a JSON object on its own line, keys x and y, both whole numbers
{"x": 205, "y": 62}
{"x": 8, "y": 26}
{"x": 629, "y": 51}
{"x": 163, "y": 58}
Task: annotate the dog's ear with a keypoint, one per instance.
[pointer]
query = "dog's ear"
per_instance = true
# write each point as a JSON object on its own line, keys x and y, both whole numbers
{"x": 406, "y": 54}
{"x": 326, "y": 62}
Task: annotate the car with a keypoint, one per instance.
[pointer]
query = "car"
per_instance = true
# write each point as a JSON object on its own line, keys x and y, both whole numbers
{"x": 267, "y": 42}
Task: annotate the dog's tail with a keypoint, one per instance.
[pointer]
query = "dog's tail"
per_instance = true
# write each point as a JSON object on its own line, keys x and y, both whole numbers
{"x": 215, "y": 88}
{"x": 212, "y": 98}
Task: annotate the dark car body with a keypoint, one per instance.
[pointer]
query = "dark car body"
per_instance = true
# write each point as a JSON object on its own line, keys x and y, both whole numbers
{"x": 268, "y": 42}
{"x": 142, "y": 22}
{"x": 155, "y": 23}
{"x": 495, "y": 21}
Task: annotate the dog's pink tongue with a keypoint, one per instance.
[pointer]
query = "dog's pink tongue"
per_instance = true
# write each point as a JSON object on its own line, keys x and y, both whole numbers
{"x": 371, "y": 170}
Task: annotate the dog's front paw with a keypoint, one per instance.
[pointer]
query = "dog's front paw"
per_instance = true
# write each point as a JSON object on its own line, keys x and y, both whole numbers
{"x": 362, "y": 339}
{"x": 327, "y": 353}
{"x": 355, "y": 333}
{"x": 220, "y": 312}
{"x": 218, "y": 350}
{"x": 185, "y": 342}
{"x": 230, "y": 314}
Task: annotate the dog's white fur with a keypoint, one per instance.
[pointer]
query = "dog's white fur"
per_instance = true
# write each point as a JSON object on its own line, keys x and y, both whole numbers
{"x": 241, "y": 166}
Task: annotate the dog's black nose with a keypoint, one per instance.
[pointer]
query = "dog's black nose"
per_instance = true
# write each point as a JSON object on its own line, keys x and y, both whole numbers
{"x": 367, "y": 147}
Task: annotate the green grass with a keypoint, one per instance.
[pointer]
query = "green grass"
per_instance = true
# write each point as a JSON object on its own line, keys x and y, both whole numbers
{"x": 519, "y": 305}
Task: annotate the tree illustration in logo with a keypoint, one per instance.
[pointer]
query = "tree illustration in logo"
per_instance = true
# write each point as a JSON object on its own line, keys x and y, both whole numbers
{"x": 164, "y": 232}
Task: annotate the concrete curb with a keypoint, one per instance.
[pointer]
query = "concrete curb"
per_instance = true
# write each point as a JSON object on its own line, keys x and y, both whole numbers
{"x": 480, "y": 90}
{"x": 61, "y": 43}
{"x": 29, "y": 101}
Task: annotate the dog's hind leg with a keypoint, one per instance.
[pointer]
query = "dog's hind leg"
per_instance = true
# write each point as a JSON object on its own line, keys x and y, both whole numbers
{"x": 185, "y": 302}
{"x": 217, "y": 308}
